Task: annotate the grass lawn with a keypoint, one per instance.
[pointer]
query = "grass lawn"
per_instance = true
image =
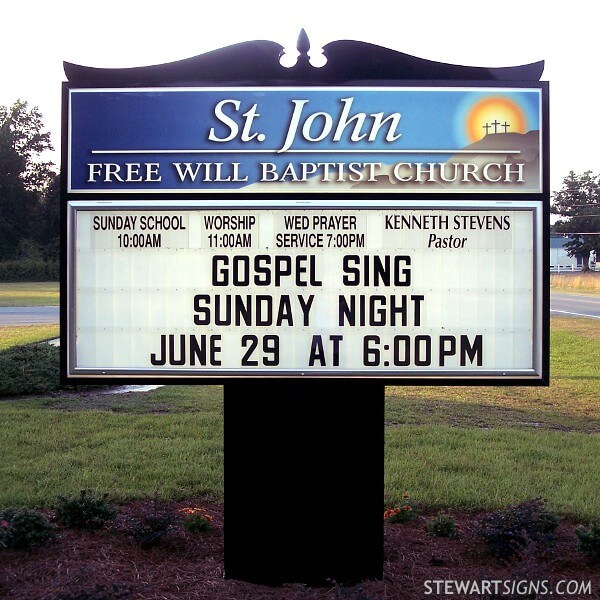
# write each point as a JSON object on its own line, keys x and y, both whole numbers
{"x": 170, "y": 440}
{"x": 469, "y": 468}
{"x": 17, "y": 335}
{"x": 29, "y": 294}
{"x": 576, "y": 283}
{"x": 476, "y": 447}
{"x": 458, "y": 447}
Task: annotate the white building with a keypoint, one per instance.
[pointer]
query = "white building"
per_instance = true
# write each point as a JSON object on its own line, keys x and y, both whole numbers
{"x": 559, "y": 258}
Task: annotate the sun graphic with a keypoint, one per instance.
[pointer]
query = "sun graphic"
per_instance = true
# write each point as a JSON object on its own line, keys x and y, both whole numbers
{"x": 495, "y": 114}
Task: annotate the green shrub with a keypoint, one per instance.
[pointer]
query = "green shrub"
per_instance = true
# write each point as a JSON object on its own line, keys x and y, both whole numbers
{"x": 402, "y": 514}
{"x": 588, "y": 541}
{"x": 150, "y": 523}
{"x": 508, "y": 532}
{"x": 29, "y": 369}
{"x": 29, "y": 270}
{"x": 441, "y": 526}
{"x": 150, "y": 529}
{"x": 86, "y": 511}
{"x": 22, "y": 528}
{"x": 195, "y": 520}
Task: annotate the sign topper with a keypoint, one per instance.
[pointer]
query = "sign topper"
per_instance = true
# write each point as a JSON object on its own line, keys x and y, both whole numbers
{"x": 394, "y": 230}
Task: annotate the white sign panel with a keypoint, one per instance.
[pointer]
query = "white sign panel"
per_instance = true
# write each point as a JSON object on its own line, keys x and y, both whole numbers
{"x": 442, "y": 289}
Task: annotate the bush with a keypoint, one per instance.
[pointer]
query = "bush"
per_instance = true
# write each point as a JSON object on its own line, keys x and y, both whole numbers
{"x": 32, "y": 369}
{"x": 441, "y": 526}
{"x": 588, "y": 541}
{"x": 22, "y": 528}
{"x": 195, "y": 520}
{"x": 29, "y": 270}
{"x": 86, "y": 511}
{"x": 148, "y": 527}
{"x": 150, "y": 524}
{"x": 403, "y": 514}
{"x": 508, "y": 532}
{"x": 29, "y": 369}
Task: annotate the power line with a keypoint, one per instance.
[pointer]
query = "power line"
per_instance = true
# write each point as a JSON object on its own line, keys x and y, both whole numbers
{"x": 578, "y": 216}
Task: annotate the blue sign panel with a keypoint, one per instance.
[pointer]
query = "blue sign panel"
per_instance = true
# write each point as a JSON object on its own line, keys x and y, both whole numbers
{"x": 361, "y": 139}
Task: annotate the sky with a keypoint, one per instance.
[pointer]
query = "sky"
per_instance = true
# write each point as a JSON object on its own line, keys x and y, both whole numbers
{"x": 38, "y": 35}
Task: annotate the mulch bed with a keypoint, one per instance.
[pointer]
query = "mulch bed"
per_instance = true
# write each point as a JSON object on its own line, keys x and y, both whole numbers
{"x": 110, "y": 564}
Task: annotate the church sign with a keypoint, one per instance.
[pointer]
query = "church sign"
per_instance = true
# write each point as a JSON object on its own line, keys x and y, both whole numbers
{"x": 305, "y": 237}
{"x": 392, "y": 231}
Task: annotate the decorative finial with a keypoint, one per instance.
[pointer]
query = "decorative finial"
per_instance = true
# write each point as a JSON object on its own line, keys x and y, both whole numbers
{"x": 302, "y": 58}
{"x": 303, "y": 46}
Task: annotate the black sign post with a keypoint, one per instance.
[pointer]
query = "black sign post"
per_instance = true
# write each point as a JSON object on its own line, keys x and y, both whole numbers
{"x": 382, "y": 237}
{"x": 304, "y": 482}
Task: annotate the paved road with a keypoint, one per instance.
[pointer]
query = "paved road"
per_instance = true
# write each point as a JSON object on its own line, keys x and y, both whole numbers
{"x": 560, "y": 304}
{"x": 28, "y": 315}
{"x": 575, "y": 305}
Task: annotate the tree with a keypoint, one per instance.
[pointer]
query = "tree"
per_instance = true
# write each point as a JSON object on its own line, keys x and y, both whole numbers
{"x": 578, "y": 206}
{"x": 48, "y": 220}
{"x": 23, "y": 175}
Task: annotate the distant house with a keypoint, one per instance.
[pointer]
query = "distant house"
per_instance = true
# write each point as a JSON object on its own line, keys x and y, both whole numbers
{"x": 559, "y": 259}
